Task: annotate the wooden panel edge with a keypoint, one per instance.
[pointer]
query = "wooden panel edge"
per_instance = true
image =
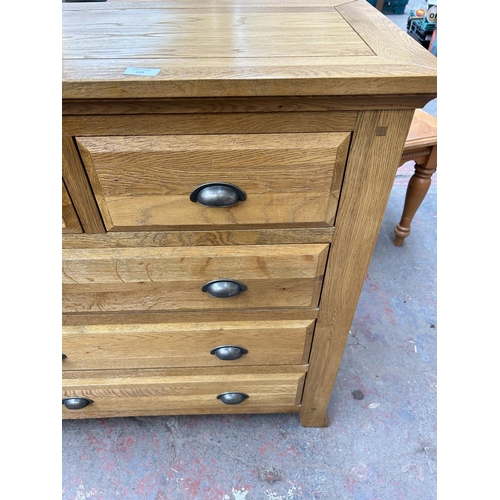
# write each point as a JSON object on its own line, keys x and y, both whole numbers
{"x": 69, "y": 216}
{"x": 277, "y": 104}
{"x": 79, "y": 189}
{"x": 234, "y": 410}
{"x": 338, "y": 177}
{"x": 370, "y": 173}
{"x": 200, "y": 238}
{"x": 209, "y": 123}
{"x": 76, "y": 319}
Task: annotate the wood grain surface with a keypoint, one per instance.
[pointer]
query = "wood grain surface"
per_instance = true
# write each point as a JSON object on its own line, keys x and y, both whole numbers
{"x": 161, "y": 345}
{"x": 136, "y": 279}
{"x": 191, "y": 238}
{"x": 237, "y": 48}
{"x": 208, "y": 123}
{"x": 133, "y": 392}
{"x": 70, "y": 222}
{"x": 370, "y": 172}
{"x": 77, "y": 184}
{"x": 214, "y": 316}
{"x": 147, "y": 181}
{"x": 278, "y": 104}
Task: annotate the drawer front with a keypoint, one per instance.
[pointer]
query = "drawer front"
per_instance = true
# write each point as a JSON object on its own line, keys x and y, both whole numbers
{"x": 156, "y": 279}
{"x": 146, "y": 182}
{"x": 132, "y": 393}
{"x": 186, "y": 344}
{"x": 70, "y": 222}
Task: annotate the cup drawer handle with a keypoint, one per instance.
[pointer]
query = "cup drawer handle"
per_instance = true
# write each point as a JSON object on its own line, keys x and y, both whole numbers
{"x": 217, "y": 194}
{"x": 223, "y": 289}
{"x": 229, "y": 352}
{"x": 76, "y": 403}
{"x": 232, "y": 398}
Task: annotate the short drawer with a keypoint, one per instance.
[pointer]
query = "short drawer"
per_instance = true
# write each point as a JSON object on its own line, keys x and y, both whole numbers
{"x": 109, "y": 393}
{"x": 177, "y": 278}
{"x": 166, "y": 345}
{"x": 150, "y": 182}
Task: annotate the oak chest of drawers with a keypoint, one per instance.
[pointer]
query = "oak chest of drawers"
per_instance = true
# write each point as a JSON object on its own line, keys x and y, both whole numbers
{"x": 226, "y": 167}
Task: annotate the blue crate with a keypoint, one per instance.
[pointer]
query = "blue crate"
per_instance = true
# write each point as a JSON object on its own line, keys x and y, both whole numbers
{"x": 396, "y": 10}
{"x": 421, "y": 31}
{"x": 424, "y": 24}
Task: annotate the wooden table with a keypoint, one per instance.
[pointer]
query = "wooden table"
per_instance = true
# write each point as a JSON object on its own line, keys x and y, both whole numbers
{"x": 420, "y": 147}
{"x": 226, "y": 167}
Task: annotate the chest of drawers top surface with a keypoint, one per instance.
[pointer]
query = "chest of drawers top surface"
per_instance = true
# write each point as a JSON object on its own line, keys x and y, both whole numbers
{"x": 238, "y": 48}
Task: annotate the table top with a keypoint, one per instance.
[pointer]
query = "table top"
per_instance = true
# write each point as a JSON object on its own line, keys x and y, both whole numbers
{"x": 216, "y": 48}
{"x": 423, "y": 131}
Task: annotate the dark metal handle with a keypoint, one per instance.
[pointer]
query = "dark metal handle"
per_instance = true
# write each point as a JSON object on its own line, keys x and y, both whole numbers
{"x": 229, "y": 352}
{"x": 64, "y": 356}
{"x": 232, "y": 398}
{"x": 222, "y": 289}
{"x": 76, "y": 403}
{"x": 217, "y": 194}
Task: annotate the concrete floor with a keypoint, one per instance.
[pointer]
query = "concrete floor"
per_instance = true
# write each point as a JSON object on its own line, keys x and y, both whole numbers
{"x": 381, "y": 442}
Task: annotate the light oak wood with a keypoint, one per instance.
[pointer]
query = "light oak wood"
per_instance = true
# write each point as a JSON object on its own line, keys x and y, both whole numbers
{"x": 155, "y": 265}
{"x": 377, "y": 146}
{"x": 336, "y": 48}
{"x": 208, "y": 123}
{"x": 147, "y": 181}
{"x": 70, "y": 222}
{"x": 185, "y": 344}
{"x": 79, "y": 189}
{"x": 148, "y": 410}
{"x": 220, "y": 372}
{"x": 284, "y": 104}
{"x": 85, "y": 319}
{"x": 318, "y": 95}
{"x": 156, "y": 279}
{"x": 275, "y": 292}
{"x": 194, "y": 5}
{"x": 200, "y": 238}
{"x": 162, "y": 410}
{"x": 131, "y": 393}
{"x": 334, "y": 78}
{"x": 162, "y": 34}
{"x": 422, "y": 133}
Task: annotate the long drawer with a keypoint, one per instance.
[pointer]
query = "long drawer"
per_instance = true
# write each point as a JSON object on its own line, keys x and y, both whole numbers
{"x": 155, "y": 182}
{"x": 193, "y": 278}
{"x": 163, "y": 345}
{"x": 189, "y": 391}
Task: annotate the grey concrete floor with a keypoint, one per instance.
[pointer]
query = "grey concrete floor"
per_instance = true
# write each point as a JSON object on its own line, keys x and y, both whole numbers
{"x": 381, "y": 442}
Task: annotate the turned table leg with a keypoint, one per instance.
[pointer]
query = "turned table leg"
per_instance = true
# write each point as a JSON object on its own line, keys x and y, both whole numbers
{"x": 417, "y": 189}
